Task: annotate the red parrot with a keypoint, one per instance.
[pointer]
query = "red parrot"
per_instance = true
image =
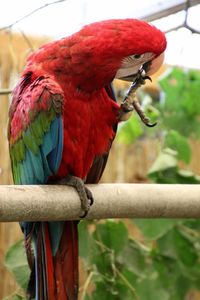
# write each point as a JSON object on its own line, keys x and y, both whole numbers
{"x": 62, "y": 121}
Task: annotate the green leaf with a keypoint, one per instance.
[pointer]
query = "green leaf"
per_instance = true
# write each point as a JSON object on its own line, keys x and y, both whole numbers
{"x": 181, "y": 103}
{"x": 180, "y": 144}
{"x": 85, "y": 239}
{"x": 164, "y": 169}
{"x": 89, "y": 250}
{"x": 171, "y": 276}
{"x": 182, "y": 287}
{"x": 153, "y": 229}
{"x": 151, "y": 289}
{"x": 103, "y": 291}
{"x": 185, "y": 249}
{"x": 125, "y": 285}
{"x": 167, "y": 268}
{"x": 133, "y": 258}
{"x": 166, "y": 159}
{"x": 177, "y": 246}
{"x": 16, "y": 262}
{"x": 187, "y": 177}
{"x": 112, "y": 234}
{"x": 130, "y": 130}
{"x": 193, "y": 224}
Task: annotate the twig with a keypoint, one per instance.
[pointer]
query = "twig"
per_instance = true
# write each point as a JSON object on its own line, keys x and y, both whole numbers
{"x": 29, "y": 14}
{"x": 185, "y": 23}
{"x": 12, "y": 52}
{"x": 128, "y": 284}
{"x": 5, "y": 92}
{"x": 85, "y": 287}
{"x": 27, "y": 40}
{"x": 193, "y": 30}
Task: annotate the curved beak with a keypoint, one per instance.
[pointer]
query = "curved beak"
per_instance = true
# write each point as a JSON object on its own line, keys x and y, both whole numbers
{"x": 155, "y": 64}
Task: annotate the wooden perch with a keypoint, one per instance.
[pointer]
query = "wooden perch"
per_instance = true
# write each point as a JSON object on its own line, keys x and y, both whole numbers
{"x": 36, "y": 203}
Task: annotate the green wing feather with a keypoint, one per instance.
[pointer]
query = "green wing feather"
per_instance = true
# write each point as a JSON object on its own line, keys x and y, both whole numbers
{"x": 36, "y": 144}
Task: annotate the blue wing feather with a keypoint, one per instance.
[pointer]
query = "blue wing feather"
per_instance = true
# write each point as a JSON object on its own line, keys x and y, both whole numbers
{"x": 54, "y": 157}
{"x": 36, "y": 168}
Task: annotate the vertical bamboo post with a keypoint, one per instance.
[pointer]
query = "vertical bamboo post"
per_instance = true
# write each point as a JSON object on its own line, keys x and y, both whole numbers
{"x": 9, "y": 233}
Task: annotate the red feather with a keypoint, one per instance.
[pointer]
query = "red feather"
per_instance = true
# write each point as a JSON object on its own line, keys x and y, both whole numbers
{"x": 49, "y": 264}
{"x": 66, "y": 264}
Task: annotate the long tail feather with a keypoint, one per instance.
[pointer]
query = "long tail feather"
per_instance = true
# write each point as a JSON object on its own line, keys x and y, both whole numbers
{"x": 54, "y": 274}
{"x": 49, "y": 268}
{"x": 66, "y": 263}
{"x": 31, "y": 285}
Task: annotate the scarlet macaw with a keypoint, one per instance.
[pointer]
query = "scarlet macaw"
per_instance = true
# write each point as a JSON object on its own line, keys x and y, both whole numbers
{"x": 63, "y": 119}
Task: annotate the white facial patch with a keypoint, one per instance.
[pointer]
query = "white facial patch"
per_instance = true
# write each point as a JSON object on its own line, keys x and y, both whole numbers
{"x": 131, "y": 64}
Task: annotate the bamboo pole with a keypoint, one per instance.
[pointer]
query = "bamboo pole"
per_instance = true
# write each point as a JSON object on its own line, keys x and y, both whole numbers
{"x": 36, "y": 203}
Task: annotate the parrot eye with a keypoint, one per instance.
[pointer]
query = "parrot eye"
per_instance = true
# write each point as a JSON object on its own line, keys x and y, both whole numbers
{"x": 138, "y": 56}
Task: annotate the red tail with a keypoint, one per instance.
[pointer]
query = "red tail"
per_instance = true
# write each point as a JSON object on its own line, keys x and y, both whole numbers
{"x": 66, "y": 263}
{"x": 54, "y": 274}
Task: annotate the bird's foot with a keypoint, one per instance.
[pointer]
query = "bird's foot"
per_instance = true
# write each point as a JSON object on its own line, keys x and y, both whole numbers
{"x": 84, "y": 193}
{"x": 130, "y": 102}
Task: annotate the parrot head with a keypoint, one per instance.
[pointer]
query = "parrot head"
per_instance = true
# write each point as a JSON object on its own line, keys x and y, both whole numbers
{"x": 147, "y": 56}
{"x": 120, "y": 48}
{"x": 92, "y": 57}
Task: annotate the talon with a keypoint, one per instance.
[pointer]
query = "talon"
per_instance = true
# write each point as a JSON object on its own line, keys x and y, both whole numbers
{"x": 89, "y": 196}
{"x": 151, "y": 125}
{"x": 84, "y": 193}
{"x": 84, "y": 215}
{"x": 91, "y": 201}
{"x": 146, "y": 120}
{"x": 143, "y": 73}
{"x": 147, "y": 78}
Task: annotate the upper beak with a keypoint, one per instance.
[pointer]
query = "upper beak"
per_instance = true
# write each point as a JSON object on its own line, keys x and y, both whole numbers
{"x": 155, "y": 64}
{"x": 149, "y": 67}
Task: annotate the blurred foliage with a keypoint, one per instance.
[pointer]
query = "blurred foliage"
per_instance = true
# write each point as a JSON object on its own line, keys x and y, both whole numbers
{"x": 164, "y": 262}
{"x": 180, "y": 109}
{"x": 15, "y": 261}
{"x": 166, "y": 170}
{"x": 164, "y": 266}
{"x": 129, "y": 131}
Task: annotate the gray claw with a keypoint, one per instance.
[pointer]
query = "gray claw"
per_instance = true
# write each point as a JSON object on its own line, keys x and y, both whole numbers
{"x": 84, "y": 193}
